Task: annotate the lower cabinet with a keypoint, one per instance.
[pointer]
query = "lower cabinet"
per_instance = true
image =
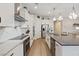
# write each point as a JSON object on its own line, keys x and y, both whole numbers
{"x": 18, "y": 51}
{"x": 66, "y": 50}
{"x": 58, "y": 50}
{"x": 11, "y": 53}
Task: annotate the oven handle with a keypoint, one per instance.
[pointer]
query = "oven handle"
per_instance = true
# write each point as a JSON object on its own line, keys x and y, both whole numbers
{"x": 27, "y": 42}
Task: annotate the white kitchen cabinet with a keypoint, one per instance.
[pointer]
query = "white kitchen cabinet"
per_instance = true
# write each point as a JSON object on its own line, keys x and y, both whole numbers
{"x": 22, "y": 11}
{"x": 70, "y": 50}
{"x": 66, "y": 50}
{"x": 11, "y": 53}
{"x": 18, "y": 51}
{"x": 58, "y": 49}
{"x": 47, "y": 38}
{"x": 7, "y": 14}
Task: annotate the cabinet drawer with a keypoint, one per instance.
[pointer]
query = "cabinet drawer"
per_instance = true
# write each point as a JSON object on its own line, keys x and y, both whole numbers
{"x": 17, "y": 51}
{"x": 11, "y": 53}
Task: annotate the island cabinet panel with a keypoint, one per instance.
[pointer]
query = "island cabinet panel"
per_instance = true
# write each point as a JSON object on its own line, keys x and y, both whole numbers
{"x": 66, "y": 50}
{"x": 66, "y": 45}
{"x": 58, "y": 49}
{"x": 70, "y": 51}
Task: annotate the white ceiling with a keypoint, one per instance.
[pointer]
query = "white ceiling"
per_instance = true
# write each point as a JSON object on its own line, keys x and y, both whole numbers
{"x": 43, "y": 8}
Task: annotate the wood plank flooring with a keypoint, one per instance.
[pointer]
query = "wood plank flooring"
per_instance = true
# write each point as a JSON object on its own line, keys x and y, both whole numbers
{"x": 39, "y": 48}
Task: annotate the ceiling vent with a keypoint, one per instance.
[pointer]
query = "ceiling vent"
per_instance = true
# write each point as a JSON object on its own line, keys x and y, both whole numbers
{"x": 25, "y": 7}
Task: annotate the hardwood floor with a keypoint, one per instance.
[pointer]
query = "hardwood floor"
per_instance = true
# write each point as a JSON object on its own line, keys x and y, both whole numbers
{"x": 39, "y": 48}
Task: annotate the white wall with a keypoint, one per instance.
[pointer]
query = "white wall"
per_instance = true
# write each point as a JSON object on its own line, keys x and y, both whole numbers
{"x": 37, "y": 24}
{"x": 7, "y": 14}
{"x": 67, "y": 25}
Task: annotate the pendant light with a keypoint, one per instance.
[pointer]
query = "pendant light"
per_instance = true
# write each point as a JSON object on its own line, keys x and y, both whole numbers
{"x": 18, "y": 10}
{"x": 73, "y": 15}
{"x": 54, "y": 18}
{"x": 36, "y": 5}
{"x": 60, "y": 18}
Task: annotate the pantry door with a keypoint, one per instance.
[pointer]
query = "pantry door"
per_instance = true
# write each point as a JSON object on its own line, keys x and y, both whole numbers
{"x": 57, "y": 27}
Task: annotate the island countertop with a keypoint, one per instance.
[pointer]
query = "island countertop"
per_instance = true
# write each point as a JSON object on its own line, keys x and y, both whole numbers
{"x": 66, "y": 40}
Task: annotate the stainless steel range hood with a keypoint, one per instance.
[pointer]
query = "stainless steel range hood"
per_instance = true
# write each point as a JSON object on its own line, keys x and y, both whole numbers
{"x": 20, "y": 18}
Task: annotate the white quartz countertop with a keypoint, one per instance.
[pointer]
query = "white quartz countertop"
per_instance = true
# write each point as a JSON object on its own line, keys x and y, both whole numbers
{"x": 9, "y": 45}
{"x": 69, "y": 40}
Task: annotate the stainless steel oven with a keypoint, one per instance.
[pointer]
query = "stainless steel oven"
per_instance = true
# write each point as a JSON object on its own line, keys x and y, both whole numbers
{"x": 26, "y": 46}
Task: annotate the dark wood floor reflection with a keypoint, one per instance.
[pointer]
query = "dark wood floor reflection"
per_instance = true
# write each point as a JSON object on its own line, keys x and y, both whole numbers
{"x": 39, "y": 48}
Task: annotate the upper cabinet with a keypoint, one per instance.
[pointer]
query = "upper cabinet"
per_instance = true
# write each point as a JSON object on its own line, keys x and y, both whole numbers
{"x": 20, "y": 15}
{"x": 19, "y": 10}
{"x": 6, "y": 14}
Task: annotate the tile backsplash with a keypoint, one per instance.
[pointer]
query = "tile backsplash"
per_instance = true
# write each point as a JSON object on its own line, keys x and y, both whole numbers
{"x": 9, "y": 33}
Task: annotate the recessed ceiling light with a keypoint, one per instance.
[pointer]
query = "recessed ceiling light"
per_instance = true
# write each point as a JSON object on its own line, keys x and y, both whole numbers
{"x": 35, "y": 7}
{"x": 18, "y": 8}
{"x": 60, "y": 18}
{"x": 54, "y": 19}
{"x": 49, "y": 12}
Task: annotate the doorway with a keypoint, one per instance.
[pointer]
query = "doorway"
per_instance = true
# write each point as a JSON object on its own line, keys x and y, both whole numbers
{"x": 44, "y": 30}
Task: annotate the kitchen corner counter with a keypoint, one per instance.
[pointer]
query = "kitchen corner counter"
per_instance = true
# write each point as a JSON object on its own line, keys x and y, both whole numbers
{"x": 10, "y": 45}
{"x": 69, "y": 40}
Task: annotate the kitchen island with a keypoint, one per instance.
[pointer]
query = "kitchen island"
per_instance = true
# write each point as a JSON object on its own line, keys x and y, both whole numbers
{"x": 65, "y": 45}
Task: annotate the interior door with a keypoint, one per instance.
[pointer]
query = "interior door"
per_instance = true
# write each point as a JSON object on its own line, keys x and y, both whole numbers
{"x": 58, "y": 27}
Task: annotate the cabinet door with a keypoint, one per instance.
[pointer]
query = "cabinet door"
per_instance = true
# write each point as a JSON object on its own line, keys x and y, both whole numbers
{"x": 7, "y": 14}
{"x": 11, "y": 53}
{"x": 18, "y": 51}
{"x": 48, "y": 40}
{"x": 58, "y": 49}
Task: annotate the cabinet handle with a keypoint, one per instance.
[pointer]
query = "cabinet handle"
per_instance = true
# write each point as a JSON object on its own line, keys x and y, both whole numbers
{"x": 12, "y": 54}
